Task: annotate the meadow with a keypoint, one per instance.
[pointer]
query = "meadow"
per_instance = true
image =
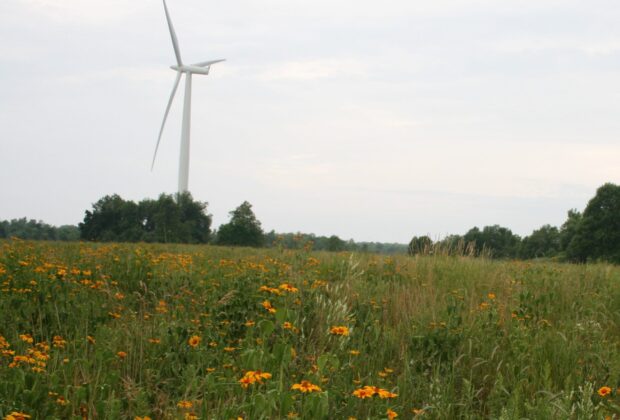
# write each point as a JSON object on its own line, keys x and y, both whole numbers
{"x": 115, "y": 331}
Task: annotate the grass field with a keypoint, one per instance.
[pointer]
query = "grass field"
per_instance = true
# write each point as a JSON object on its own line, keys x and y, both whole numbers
{"x": 184, "y": 332}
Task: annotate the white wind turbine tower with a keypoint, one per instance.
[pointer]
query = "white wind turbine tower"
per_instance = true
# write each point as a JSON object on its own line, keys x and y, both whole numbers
{"x": 189, "y": 70}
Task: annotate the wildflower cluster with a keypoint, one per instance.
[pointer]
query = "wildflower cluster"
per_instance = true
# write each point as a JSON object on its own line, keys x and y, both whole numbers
{"x": 251, "y": 377}
{"x": 306, "y": 387}
{"x": 370, "y": 391}
{"x": 174, "y": 330}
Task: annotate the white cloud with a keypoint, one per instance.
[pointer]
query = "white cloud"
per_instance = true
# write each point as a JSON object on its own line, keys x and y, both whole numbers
{"x": 87, "y": 11}
{"x": 530, "y": 44}
{"x": 313, "y": 70}
{"x": 130, "y": 74}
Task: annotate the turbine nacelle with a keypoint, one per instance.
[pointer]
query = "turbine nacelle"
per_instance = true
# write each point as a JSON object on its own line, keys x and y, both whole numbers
{"x": 198, "y": 68}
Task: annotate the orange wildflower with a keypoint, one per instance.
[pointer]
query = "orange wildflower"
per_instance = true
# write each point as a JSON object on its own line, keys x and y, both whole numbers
{"x": 267, "y": 305}
{"x": 16, "y": 415}
{"x": 194, "y": 341}
{"x": 287, "y": 287}
{"x": 59, "y": 342}
{"x": 384, "y": 393}
{"x": 185, "y": 404}
{"x": 362, "y": 393}
{"x": 306, "y": 387}
{"x": 246, "y": 381}
{"x": 27, "y": 338}
{"x": 252, "y": 377}
{"x": 339, "y": 330}
{"x": 604, "y": 391}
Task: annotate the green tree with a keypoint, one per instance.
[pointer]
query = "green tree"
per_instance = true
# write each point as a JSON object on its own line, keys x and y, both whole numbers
{"x": 243, "y": 229}
{"x": 68, "y": 233}
{"x": 543, "y": 242}
{"x": 195, "y": 221}
{"x": 163, "y": 220}
{"x": 500, "y": 241}
{"x": 335, "y": 244}
{"x": 37, "y": 230}
{"x": 29, "y": 229}
{"x": 112, "y": 219}
{"x": 420, "y": 245}
{"x": 569, "y": 229}
{"x": 597, "y": 235}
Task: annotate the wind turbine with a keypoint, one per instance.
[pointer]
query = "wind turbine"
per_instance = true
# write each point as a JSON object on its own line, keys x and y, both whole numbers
{"x": 189, "y": 70}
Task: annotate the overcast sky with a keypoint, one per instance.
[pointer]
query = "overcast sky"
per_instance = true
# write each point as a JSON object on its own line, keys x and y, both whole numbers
{"x": 369, "y": 120}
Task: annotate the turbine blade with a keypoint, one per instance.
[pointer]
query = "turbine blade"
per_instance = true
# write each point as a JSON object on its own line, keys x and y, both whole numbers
{"x": 208, "y": 63}
{"x": 173, "y": 35}
{"x": 161, "y": 130}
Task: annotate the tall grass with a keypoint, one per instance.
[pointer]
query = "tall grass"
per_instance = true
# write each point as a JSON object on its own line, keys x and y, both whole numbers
{"x": 111, "y": 330}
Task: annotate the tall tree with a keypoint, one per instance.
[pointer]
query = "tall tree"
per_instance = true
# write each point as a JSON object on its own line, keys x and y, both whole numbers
{"x": 163, "y": 220}
{"x": 543, "y": 242}
{"x": 597, "y": 235}
{"x": 244, "y": 229}
{"x": 335, "y": 244}
{"x": 568, "y": 232}
{"x": 68, "y": 233}
{"x": 420, "y": 245}
{"x": 112, "y": 219}
{"x": 501, "y": 242}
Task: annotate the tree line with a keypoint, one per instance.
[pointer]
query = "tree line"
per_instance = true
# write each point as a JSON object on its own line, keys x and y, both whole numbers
{"x": 169, "y": 219}
{"x": 591, "y": 235}
{"x": 37, "y": 230}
